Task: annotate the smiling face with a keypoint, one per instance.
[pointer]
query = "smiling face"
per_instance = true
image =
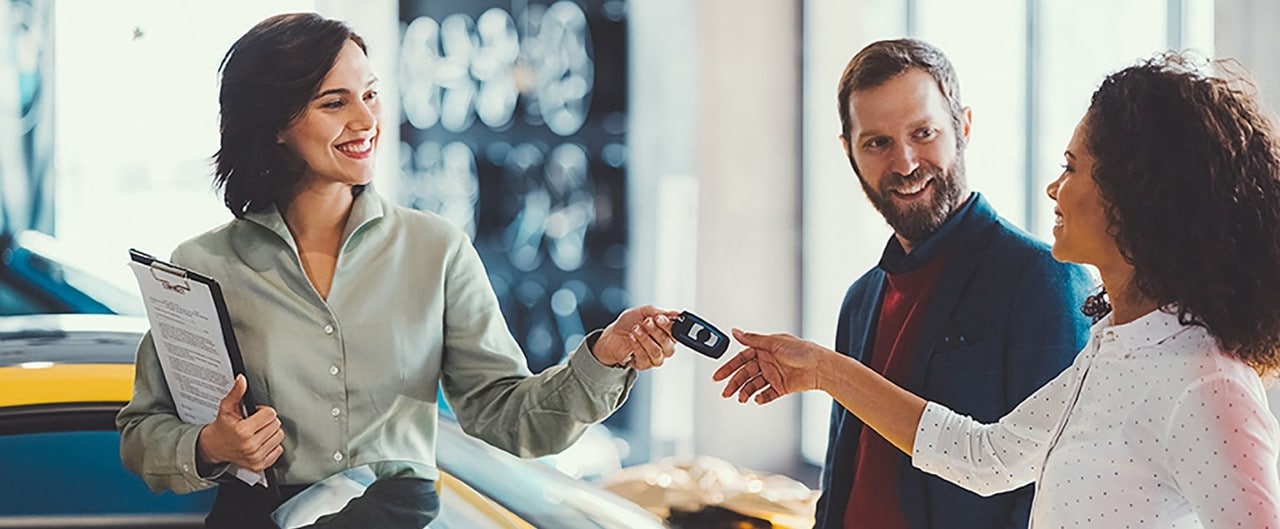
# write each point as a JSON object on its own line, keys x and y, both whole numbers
{"x": 904, "y": 147}
{"x": 337, "y": 134}
{"x": 1081, "y": 232}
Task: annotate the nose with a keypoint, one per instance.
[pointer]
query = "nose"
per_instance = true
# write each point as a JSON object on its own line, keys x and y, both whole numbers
{"x": 1052, "y": 190}
{"x": 364, "y": 117}
{"x": 904, "y": 160}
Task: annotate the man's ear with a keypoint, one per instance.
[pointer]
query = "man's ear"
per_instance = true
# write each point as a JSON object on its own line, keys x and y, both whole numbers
{"x": 966, "y": 123}
{"x": 844, "y": 143}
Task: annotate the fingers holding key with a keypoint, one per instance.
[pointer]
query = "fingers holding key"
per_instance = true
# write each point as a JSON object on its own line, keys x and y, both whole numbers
{"x": 652, "y": 341}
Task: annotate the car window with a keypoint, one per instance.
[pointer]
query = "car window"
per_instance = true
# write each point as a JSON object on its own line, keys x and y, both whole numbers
{"x": 62, "y": 469}
{"x": 38, "y": 262}
{"x": 117, "y": 300}
{"x": 61, "y": 347}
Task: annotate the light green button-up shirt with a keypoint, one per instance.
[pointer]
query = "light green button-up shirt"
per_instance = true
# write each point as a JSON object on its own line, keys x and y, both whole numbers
{"x": 354, "y": 377}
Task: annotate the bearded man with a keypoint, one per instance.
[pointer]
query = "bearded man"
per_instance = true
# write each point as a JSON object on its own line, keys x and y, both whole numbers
{"x": 963, "y": 309}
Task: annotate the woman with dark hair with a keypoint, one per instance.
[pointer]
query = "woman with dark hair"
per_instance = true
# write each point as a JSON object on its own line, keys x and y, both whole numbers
{"x": 1171, "y": 188}
{"x": 350, "y": 311}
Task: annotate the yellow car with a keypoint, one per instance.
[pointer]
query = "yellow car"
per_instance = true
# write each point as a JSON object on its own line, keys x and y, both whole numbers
{"x": 64, "y": 377}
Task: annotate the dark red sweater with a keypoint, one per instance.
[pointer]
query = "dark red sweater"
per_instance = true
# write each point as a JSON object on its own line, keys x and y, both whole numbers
{"x": 873, "y": 501}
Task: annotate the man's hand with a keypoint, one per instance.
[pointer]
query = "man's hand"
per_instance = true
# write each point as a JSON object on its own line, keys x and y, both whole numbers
{"x": 771, "y": 366}
{"x": 640, "y": 338}
{"x": 252, "y": 443}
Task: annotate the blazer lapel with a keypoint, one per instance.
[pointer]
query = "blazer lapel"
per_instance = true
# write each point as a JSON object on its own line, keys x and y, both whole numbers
{"x": 967, "y": 247}
{"x": 950, "y": 287}
{"x": 860, "y": 337}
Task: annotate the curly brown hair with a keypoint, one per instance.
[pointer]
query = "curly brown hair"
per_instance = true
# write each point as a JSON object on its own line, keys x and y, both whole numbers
{"x": 1188, "y": 163}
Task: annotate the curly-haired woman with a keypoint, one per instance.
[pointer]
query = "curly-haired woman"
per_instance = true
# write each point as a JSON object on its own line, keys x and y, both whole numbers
{"x": 1171, "y": 188}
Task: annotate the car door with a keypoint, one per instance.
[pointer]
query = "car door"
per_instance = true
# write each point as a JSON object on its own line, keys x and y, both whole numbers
{"x": 62, "y": 469}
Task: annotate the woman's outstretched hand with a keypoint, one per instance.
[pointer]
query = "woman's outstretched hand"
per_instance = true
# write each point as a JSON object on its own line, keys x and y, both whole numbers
{"x": 771, "y": 366}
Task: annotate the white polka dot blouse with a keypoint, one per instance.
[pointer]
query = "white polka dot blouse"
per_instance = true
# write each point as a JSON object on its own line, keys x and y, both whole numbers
{"x": 1152, "y": 426}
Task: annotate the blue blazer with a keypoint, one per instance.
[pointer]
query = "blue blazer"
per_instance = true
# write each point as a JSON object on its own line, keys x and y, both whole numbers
{"x": 1004, "y": 320}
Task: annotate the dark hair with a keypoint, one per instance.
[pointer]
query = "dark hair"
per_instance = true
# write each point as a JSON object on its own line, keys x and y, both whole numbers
{"x": 268, "y": 77}
{"x": 1188, "y": 164}
{"x": 883, "y": 60}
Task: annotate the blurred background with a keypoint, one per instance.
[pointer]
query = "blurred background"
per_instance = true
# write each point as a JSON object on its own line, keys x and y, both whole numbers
{"x": 601, "y": 153}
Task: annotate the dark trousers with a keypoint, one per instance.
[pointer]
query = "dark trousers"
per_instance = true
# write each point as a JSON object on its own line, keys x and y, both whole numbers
{"x": 393, "y": 503}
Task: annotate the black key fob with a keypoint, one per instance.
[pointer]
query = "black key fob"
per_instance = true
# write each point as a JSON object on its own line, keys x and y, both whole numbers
{"x": 695, "y": 333}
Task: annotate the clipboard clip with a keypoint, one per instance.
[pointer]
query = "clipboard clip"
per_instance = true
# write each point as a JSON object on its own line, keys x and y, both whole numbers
{"x": 180, "y": 287}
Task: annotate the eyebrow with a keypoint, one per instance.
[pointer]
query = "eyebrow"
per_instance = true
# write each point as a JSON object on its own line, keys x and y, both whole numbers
{"x": 342, "y": 91}
{"x": 1069, "y": 155}
{"x": 913, "y": 125}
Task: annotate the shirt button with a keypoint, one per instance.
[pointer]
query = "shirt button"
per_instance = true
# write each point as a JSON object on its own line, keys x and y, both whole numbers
{"x": 186, "y": 468}
{"x": 328, "y": 329}
{"x": 333, "y": 370}
{"x": 335, "y": 412}
{"x": 337, "y": 456}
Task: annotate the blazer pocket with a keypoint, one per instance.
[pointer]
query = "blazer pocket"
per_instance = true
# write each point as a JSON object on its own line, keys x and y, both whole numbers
{"x": 954, "y": 341}
{"x": 961, "y": 353}
{"x": 968, "y": 380}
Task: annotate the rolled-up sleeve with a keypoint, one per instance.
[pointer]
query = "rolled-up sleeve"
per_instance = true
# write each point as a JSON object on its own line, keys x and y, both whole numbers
{"x": 489, "y": 385}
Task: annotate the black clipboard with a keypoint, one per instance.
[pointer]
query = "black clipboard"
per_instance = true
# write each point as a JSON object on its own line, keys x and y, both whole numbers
{"x": 174, "y": 277}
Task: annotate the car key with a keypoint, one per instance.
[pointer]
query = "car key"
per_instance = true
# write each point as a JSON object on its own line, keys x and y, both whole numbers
{"x": 695, "y": 333}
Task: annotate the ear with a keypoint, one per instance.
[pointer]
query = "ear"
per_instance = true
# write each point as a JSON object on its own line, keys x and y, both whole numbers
{"x": 966, "y": 123}
{"x": 844, "y": 143}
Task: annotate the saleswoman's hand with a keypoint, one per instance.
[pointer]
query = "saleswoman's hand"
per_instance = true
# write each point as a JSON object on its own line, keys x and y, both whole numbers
{"x": 640, "y": 338}
{"x": 252, "y": 443}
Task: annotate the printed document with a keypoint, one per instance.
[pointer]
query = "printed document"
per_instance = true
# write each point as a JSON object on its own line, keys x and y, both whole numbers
{"x": 189, "y": 342}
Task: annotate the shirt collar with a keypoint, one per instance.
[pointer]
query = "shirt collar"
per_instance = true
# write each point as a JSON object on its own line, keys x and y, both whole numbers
{"x": 366, "y": 208}
{"x": 895, "y": 259}
{"x": 1151, "y": 329}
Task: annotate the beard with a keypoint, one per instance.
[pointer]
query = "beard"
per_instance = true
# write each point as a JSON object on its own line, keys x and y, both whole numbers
{"x": 916, "y": 222}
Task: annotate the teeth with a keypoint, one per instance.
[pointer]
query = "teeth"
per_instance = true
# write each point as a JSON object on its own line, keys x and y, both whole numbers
{"x": 356, "y": 147}
{"x": 913, "y": 190}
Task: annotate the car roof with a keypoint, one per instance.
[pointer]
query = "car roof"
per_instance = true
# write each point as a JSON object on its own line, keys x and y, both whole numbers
{"x": 70, "y": 339}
